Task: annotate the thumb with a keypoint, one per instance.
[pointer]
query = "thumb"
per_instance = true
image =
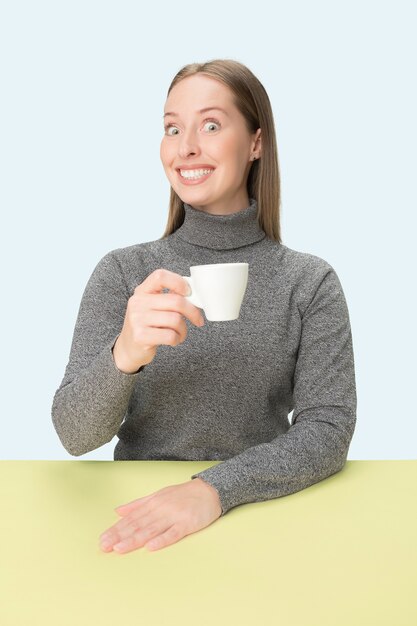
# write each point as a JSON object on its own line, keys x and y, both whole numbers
{"x": 124, "y": 509}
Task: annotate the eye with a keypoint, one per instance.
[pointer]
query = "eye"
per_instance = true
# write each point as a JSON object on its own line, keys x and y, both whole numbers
{"x": 211, "y": 123}
{"x": 168, "y": 127}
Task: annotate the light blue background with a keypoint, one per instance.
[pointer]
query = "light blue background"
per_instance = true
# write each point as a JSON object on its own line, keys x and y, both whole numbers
{"x": 83, "y": 89}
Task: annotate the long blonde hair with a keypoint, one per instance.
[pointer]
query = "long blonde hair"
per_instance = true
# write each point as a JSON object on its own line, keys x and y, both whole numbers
{"x": 252, "y": 101}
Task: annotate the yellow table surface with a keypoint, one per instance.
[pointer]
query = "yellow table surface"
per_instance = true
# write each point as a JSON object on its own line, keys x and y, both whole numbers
{"x": 341, "y": 552}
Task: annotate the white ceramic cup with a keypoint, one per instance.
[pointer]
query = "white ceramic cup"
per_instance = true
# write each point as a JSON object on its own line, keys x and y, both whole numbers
{"x": 218, "y": 289}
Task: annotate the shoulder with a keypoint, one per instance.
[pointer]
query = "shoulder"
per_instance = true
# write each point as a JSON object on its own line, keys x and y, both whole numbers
{"x": 304, "y": 262}
{"x": 137, "y": 250}
{"x": 130, "y": 265}
{"x": 128, "y": 256}
{"x": 298, "y": 267}
{"x": 310, "y": 276}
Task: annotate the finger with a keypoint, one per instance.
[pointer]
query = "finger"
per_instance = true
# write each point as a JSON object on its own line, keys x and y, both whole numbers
{"x": 157, "y": 322}
{"x": 170, "y": 536}
{"x": 166, "y": 319}
{"x": 122, "y": 530}
{"x": 126, "y": 526}
{"x": 141, "y": 535}
{"x": 179, "y": 304}
{"x": 164, "y": 279}
{"x": 137, "y": 520}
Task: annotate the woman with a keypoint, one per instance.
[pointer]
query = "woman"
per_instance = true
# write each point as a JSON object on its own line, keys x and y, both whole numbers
{"x": 196, "y": 390}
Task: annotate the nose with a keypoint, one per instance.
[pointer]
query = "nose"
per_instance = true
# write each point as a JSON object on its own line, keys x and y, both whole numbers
{"x": 188, "y": 144}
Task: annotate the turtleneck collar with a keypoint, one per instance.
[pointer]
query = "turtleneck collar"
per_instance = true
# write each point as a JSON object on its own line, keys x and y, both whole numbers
{"x": 221, "y": 232}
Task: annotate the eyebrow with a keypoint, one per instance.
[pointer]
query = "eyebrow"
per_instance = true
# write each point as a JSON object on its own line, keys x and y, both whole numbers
{"x": 200, "y": 111}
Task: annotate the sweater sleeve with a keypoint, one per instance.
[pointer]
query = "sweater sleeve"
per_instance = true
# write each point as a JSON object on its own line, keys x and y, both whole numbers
{"x": 90, "y": 403}
{"x": 324, "y": 399}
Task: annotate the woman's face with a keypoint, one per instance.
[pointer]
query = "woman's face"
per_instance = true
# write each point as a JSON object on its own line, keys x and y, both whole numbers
{"x": 211, "y": 139}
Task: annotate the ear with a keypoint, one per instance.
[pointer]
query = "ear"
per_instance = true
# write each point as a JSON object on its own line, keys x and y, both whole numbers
{"x": 257, "y": 144}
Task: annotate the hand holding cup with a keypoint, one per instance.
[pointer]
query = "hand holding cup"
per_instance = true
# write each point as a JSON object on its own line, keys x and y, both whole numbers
{"x": 153, "y": 318}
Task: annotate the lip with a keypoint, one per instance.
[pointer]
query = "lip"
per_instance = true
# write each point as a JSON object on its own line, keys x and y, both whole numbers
{"x": 195, "y": 181}
{"x": 195, "y": 166}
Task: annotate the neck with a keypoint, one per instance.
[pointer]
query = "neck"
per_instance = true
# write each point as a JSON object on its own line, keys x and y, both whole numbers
{"x": 221, "y": 232}
{"x": 226, "y": 206}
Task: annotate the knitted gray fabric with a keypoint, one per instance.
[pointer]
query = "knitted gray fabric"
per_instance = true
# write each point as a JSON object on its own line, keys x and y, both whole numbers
{"x": 225, "y": 393}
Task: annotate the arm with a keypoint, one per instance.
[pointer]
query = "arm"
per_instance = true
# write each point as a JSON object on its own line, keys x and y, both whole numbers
{"x": 91, "y": 401}
{"x": 324, "y": 394}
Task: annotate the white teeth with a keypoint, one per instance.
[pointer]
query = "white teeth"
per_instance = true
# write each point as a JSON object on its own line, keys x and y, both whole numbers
{"x": 194, "y": 173}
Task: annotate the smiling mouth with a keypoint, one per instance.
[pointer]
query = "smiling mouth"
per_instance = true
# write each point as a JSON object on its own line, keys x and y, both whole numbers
{"x": 195, "y": 174}
{"x": 194, "y": 177}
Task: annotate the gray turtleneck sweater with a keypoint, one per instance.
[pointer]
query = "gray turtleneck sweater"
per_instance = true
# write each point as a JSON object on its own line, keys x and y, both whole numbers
{"x": 224, "y": 394}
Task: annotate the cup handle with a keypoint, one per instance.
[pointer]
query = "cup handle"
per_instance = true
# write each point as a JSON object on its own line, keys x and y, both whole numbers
{"x": 193, "y": 297}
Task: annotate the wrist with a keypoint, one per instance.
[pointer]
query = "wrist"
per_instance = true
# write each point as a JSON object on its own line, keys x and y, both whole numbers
{"x": 122, "y": 362}
{"x": 212, "y": 491}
